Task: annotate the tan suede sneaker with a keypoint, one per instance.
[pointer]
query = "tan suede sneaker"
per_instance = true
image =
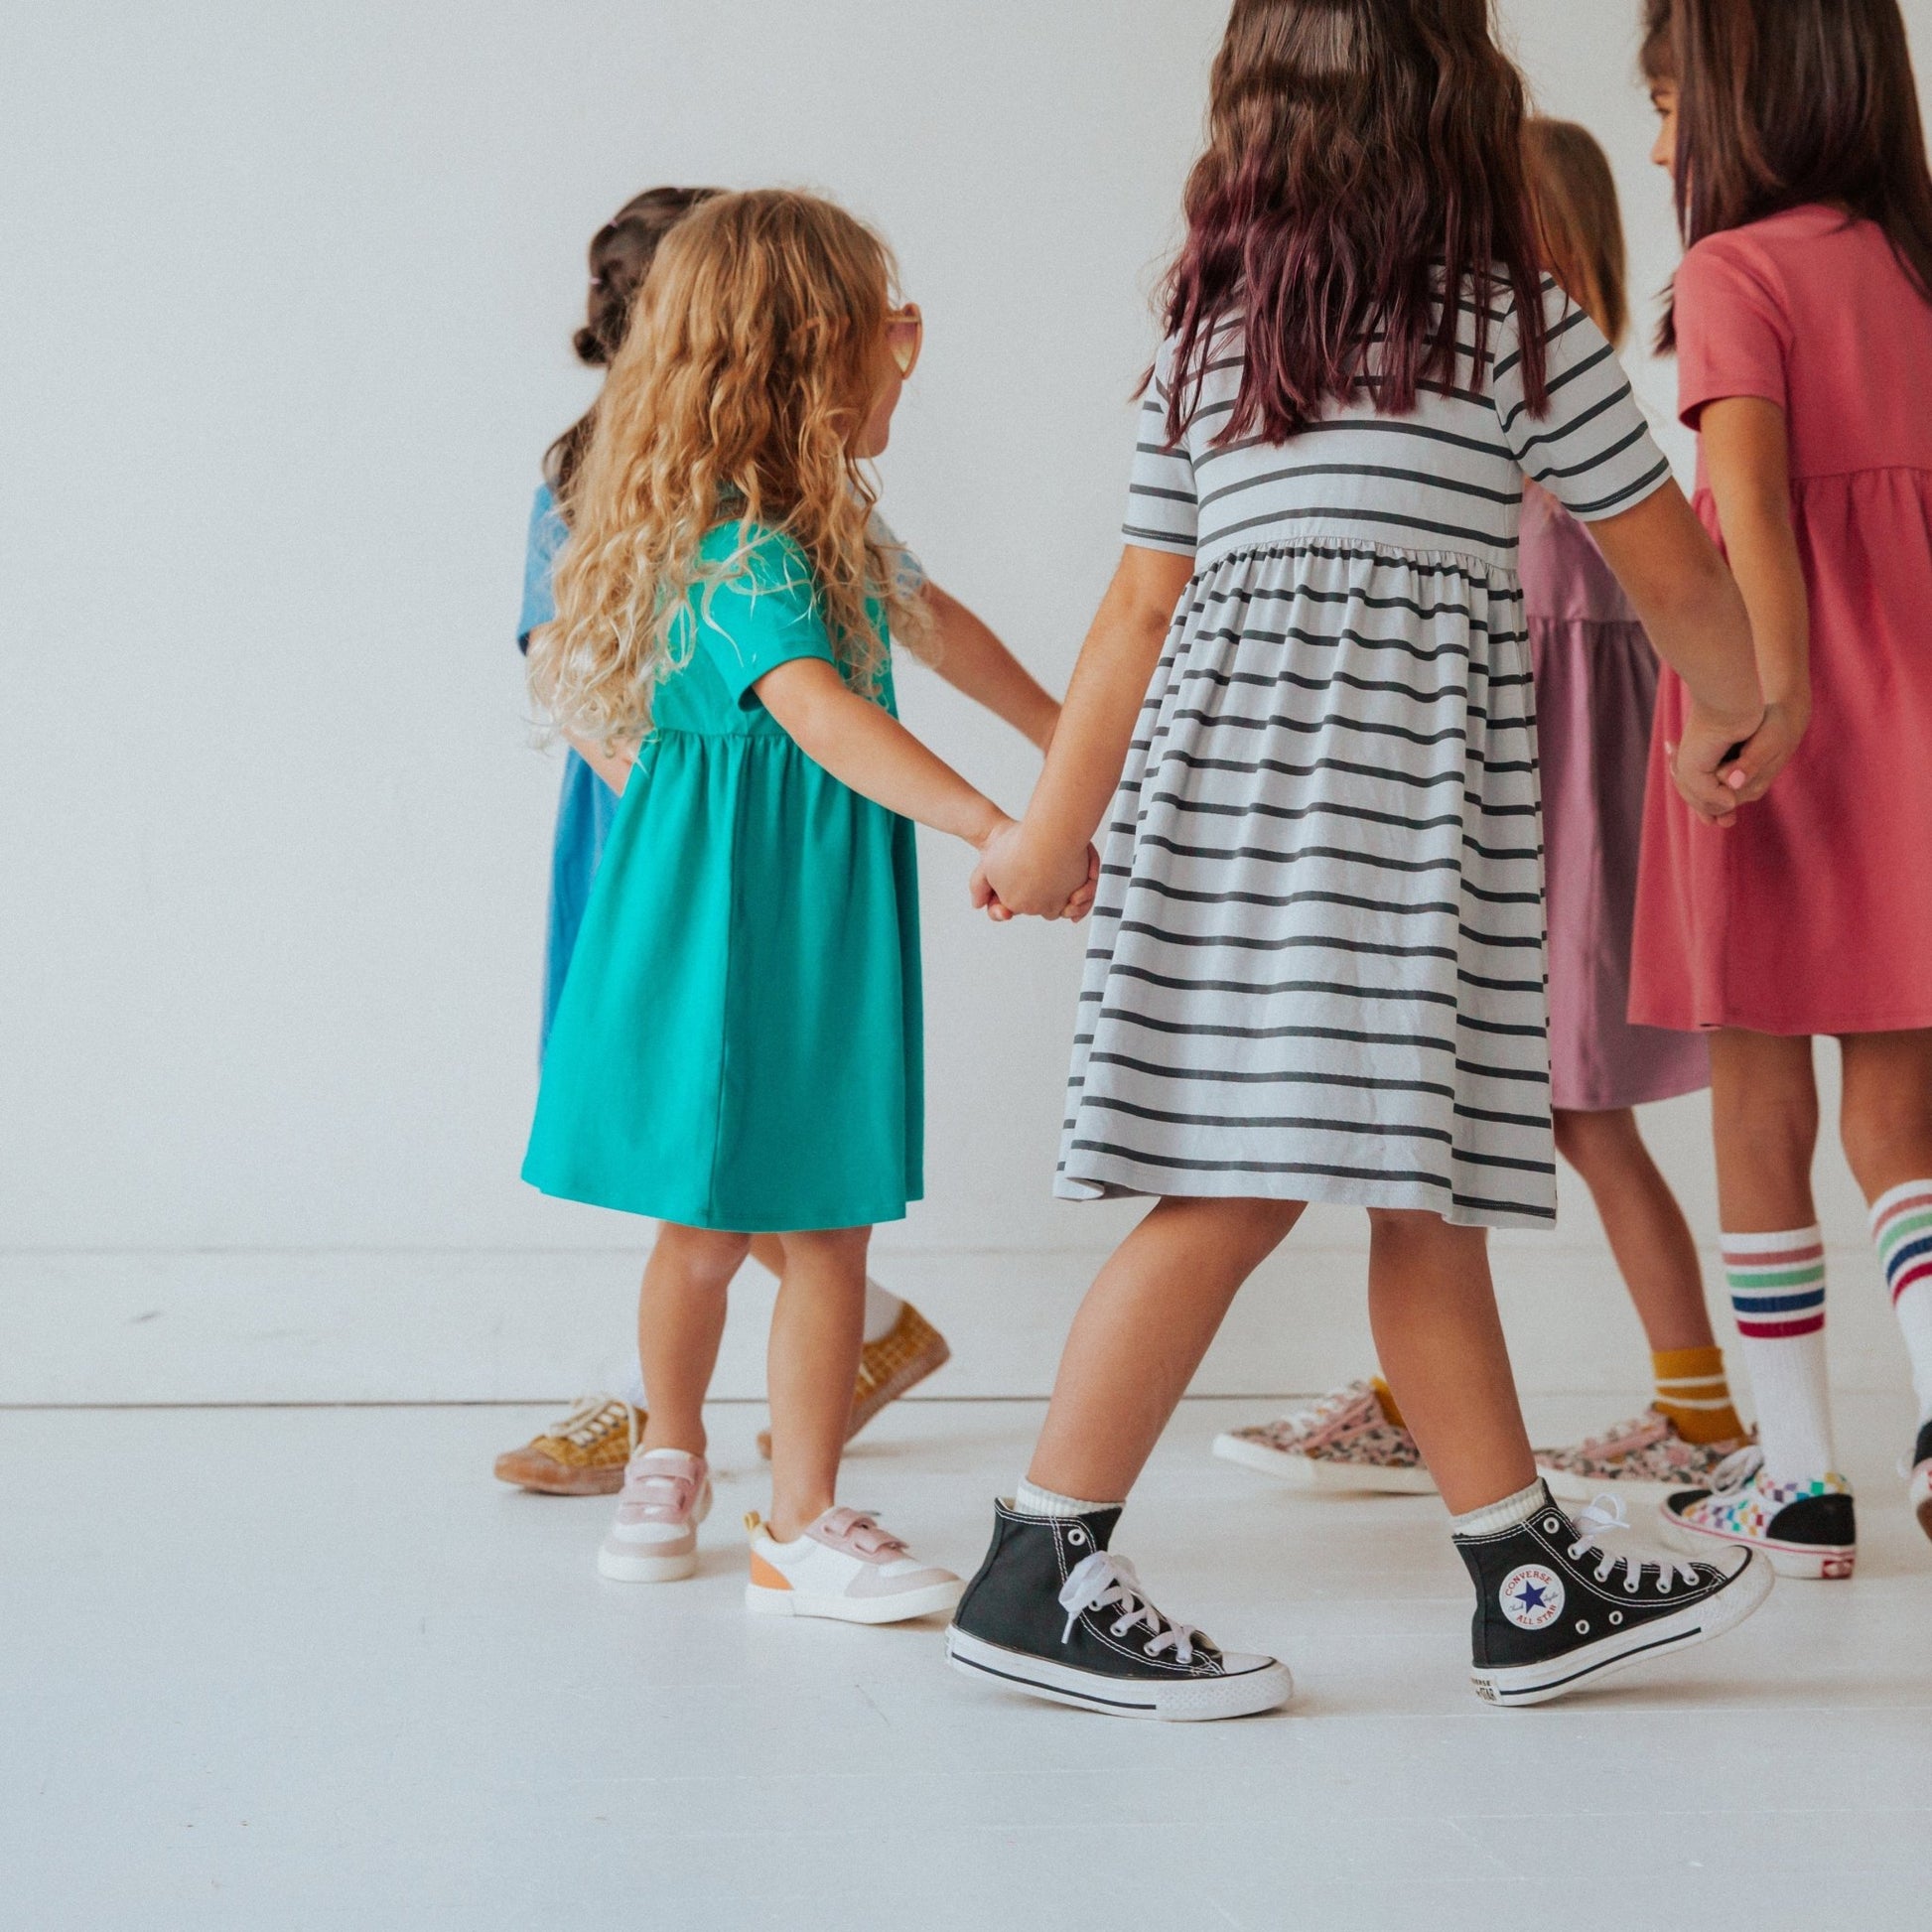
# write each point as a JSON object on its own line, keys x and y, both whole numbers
{"x": 582, "y": 1455}
{"x": 901, "y": 1359}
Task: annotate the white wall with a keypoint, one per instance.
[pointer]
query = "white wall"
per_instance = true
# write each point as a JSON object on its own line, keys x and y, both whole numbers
{"x": 284, "y": 318}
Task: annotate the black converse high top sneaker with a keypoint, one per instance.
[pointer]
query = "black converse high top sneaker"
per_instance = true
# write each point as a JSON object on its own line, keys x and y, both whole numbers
{"x": 1558, "y": 1604}
{"x": 1054, "y": 1614}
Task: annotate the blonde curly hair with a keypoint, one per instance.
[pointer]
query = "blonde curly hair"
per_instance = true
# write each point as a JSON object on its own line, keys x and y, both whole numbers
{"x": 756, "y": 353}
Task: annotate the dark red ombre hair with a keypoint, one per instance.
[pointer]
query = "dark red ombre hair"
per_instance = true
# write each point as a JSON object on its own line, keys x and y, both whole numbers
{"x": 1785, "y": 103}
{"x": 1364, "y": 173}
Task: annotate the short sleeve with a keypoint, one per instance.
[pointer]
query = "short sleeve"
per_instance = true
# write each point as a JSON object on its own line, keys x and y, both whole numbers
{"x": 1733, "y": 336}
{"x": 548, "y": 533}
{"x": 1593, "y": 451}
{"x": 908, "y": 572}
{"x": 1163, "y": 510}
{"x": 765, "y": 613}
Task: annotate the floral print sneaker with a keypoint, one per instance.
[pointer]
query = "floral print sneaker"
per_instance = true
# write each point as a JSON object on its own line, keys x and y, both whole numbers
{"x": 1345, "y": 1441}
{"x": 1648, "y": 1452}
{"x": 1807, "y": 1529}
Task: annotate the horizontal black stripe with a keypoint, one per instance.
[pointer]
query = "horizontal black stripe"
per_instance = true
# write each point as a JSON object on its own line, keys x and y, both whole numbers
{"x": 1303, "y": 681}
{"x": 1492, "y": 447}
{"x": 1296, "y": 858}
{"x": 1528, "y": 1076}
{"x": 1455, "y": 486}
{"x": 1221, "y": 1029}
{"x": 1295, "y": 814}
{"x": 1286, "y": 1077}
{"x": 1502, "y": 540}
{"x": 1280, "y": 721}
{"x": 1282, "y": 943}
{"x": 1537, "y": 1122}
{"x": 1265, "y": 989}
{"x": 1650, "y": 480}
{"x": 1419, "y": 781}
{"x": 1176, "y": 1163}
{"x": 1287, "y": 1123}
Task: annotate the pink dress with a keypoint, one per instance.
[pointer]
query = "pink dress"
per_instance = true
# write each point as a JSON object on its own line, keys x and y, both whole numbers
{"x": 1804, "y": 918}
{"x": 1596, "y": 693}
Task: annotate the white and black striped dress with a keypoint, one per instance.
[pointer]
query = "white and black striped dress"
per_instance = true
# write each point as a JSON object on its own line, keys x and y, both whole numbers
{"x": 1317, "y": 961}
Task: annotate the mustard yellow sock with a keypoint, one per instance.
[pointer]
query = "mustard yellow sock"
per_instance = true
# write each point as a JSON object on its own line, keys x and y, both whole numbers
{"x": 1693, "y": 1392}
{"x": 1386, "y": 1397}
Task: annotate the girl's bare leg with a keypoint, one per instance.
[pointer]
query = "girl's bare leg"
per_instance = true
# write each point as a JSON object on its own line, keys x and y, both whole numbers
{"x": 817, "y": 1331}
{"x": 680, "y": 1323}
{"x": 1764, "y": 1114}
{"x": 1886, "y": 1119}
{"x": 1139, "y": 1336}
{"x": 769, "y": 1251}
{"x": 1433, "y": 1305}
{"x": 1648, "y": 1234}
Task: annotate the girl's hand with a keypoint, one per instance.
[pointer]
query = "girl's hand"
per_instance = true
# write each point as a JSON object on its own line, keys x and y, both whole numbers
{"x": 1701, "y": 762}
{"x": 1012, "y": 879}
{"x": 1766, "y": 752}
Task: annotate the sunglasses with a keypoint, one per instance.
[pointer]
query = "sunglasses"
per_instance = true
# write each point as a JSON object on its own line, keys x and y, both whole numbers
{"x": 906, "y": 338}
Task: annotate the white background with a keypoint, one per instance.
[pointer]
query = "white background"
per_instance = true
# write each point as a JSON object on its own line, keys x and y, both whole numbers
{"x": 284, "y": 328}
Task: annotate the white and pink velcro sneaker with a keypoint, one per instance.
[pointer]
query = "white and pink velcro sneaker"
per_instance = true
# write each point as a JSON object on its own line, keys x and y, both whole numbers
{"x": 654, "y": 1537}
{"x": 844, "y": 1566}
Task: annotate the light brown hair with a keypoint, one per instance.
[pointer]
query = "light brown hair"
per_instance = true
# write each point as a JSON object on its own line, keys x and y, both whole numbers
{"x": 755, "y": 355}
{"x": 1580, "y": 223}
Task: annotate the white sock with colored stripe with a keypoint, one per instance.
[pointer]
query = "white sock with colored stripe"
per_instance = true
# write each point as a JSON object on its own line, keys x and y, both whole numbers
{"x": 1777, "y": 1293}
{"x": 1901, "y": 1224}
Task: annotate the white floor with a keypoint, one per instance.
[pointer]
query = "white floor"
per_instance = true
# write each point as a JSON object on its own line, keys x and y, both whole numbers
{"x": 311, "y": 1668}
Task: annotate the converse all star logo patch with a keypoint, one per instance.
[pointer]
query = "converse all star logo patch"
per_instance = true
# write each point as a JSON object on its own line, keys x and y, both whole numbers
{"x": 1531, "y": 1596}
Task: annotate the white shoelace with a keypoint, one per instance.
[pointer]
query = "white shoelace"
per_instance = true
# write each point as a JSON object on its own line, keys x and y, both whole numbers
{"x": 581, "y": 1424}
{"x": 1605, "y": 1517}
{"x": 1105, "y": 1582}
{"x": 1737, "y": 1469}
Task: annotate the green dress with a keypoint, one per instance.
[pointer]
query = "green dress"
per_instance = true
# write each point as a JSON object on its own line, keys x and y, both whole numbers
{"x": 739, "y": 1043}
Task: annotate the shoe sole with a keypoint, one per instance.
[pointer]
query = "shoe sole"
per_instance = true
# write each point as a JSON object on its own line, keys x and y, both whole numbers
{"x": 1307, "y": 1472}
{"x": 646, "y": 1569}
{"x": 1697, "y": 1624}
{"x": 930, "y": 1602}
{"x": 1200, "y": 1699}
{"x": 566, "y": 1482}
{"x": 1810, "y": 1563}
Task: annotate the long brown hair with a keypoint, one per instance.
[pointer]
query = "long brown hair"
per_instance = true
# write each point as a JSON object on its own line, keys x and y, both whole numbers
{"x": 1363, "y": 178}
{"x": 759, "y": 350}
{"x": 621, "y": 252}
{"x": 1579, "y": 220}
{"x": 1782, "y": 103}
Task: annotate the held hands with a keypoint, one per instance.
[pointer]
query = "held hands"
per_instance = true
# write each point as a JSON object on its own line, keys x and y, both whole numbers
{"x": 1014, "y": 877}
{"x": 1720, "y": 766}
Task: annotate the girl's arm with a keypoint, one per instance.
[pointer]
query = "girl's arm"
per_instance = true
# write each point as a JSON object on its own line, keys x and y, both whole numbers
{"x": 865, "y": 746}
{"x": 1042, "y": 866}
{"x": 611, "y": 766}
{"x": 1747, "y": 454}
{"x": 972, "y": 659}
{"x": 1688, "y": 603}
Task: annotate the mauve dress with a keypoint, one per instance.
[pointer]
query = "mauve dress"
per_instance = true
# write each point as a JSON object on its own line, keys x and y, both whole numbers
{"x": 1805, "y": 919}
{"x": 1595, "y": 694}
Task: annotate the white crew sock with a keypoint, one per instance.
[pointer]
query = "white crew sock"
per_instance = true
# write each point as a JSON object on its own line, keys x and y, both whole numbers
{"x": 632, "y": 1388}
{"x": 1901, "y": 1224}
{"x": 883, "y": 1310}
{"x": 1031, "y": 1500}
{"x": 1777, "y": 1293}
{"x": 1493, "y": 1518}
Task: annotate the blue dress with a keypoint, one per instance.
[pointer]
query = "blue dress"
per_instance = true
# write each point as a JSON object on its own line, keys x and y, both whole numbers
{"x": 588, "y": 807}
